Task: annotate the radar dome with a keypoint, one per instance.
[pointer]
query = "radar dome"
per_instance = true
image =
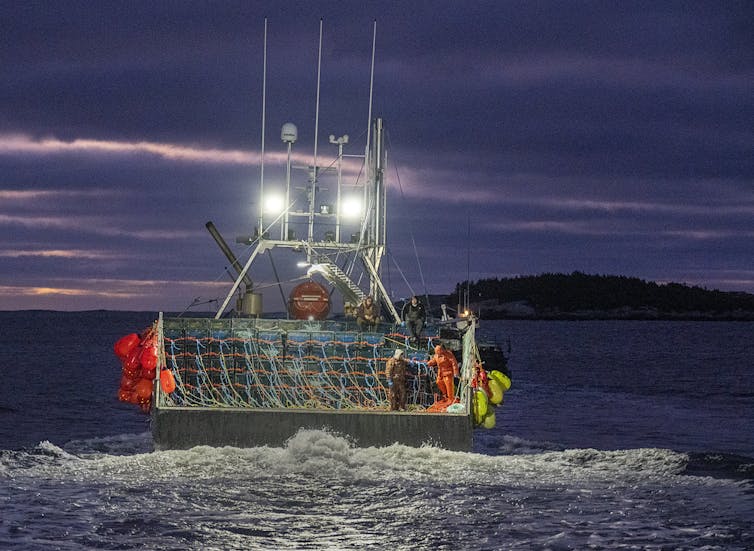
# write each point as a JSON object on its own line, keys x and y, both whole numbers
{"x": 289, "y": 133}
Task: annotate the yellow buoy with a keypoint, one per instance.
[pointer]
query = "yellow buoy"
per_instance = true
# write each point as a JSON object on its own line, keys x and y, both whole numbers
{"x": 480, "y": 406}
{"x": 496, "y": 391}
{"x": 489, "y": 420}
{"x": 501, "y": 378}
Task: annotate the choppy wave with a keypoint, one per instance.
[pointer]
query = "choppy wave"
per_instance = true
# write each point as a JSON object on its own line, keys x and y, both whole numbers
{"x": 320, "y": 492}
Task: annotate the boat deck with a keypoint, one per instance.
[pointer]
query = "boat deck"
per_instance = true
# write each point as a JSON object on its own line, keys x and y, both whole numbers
{"x": 247, "y": 381}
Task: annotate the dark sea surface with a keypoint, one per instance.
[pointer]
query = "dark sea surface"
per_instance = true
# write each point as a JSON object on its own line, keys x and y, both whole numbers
{"x": 615, "y": 435}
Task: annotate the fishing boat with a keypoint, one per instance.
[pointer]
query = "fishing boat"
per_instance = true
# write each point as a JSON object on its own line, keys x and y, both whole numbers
{"x": 247, "y": 378}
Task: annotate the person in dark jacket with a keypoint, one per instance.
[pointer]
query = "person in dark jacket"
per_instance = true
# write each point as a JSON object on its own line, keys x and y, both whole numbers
{"x": 414, "y": 316}
{"x": 367, "y": 315}
{"x": 395, "y": 372}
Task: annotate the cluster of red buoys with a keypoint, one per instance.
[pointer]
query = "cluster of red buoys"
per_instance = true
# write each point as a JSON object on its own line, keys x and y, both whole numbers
{"x": 139, "y": 358}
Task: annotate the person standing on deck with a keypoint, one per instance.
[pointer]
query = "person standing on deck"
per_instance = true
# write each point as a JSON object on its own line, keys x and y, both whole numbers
{"x": 447, "y": 368}
{"x": 395, "y": 372}
{"x": 414, "y": 316}
{"x": 367, "y": 315}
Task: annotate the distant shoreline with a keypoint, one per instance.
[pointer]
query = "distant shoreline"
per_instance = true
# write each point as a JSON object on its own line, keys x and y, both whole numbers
{"x": 488, "y": 314}
{"x": 633, "y": 315}
{"x": 579, "y": 296}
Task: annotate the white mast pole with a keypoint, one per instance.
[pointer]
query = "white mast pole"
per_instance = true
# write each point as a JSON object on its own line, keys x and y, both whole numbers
{"x": 261, "y": 162}
{"x": 371, "y": 87}
{"x": 316, "y": 135}
{"x": 371, "y": 183}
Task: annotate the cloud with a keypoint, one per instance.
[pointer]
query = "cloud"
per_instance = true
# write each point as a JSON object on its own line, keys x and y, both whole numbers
{"x": 75, "y": 254}
{"x": 11, "y": 145}
{"x": 606, "y": 139}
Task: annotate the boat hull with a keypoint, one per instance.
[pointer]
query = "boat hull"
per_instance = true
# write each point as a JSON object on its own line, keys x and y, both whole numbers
{"x": 186, "y": 427}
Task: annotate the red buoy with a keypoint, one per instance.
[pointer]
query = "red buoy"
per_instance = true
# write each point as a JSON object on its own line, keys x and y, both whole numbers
{"x": 309, "y": 301}
{"x": 125, "y": 344}
{"x": 167, "y": 381}
{"x": 143, "y": 390}
{"x": 127, "y": 382}
{"x": 149, "y": 358}
{"x": 132, "y": 361}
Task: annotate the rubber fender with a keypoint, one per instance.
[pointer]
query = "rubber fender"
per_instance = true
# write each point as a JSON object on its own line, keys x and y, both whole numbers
{"x": 496, "y": 392}
{"x": 501, "y": 378}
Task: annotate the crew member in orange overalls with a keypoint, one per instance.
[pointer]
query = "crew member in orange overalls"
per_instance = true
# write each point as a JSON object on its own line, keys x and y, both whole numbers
{"x": 447, "y": 368}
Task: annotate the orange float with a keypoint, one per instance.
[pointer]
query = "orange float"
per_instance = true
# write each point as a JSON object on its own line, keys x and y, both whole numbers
{"x": 124, "y": 345}
{"x": 148, "y": 358}
{"x": 143, "y": 390}
{"x": 127, "y": 382}
{"x": 132, "y": 361}
{"x": 139, "y": 359}
{"x": 167, "y": 381}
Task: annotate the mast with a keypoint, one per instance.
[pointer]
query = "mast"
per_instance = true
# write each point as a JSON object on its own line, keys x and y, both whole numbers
{"x": 264, "y": 111}
{"x": 313, "y": 192}
{"x": 323, "y": 251}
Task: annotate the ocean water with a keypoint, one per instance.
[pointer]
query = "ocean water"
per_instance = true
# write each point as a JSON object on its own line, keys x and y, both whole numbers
{"x": 615, "y": 435}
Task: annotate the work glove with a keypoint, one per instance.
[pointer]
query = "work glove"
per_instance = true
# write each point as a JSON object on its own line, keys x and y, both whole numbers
{"x": 390, "y": 383}
{"x": 403, "y": 324}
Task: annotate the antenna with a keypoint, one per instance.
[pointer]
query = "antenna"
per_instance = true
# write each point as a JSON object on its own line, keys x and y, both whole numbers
{"x": 468, "y": 259}
{"x": 371, "y": 85}
{"x": 316, "y": 135}
{"x": 261, "y": 162}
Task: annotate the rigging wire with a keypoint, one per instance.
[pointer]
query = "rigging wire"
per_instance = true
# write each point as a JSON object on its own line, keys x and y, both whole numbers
{"x": 410, "y": 226}
{"x": 400, "y": 271}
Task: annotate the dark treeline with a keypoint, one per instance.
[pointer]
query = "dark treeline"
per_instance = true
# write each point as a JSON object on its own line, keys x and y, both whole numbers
{"x": 552, "y": 294}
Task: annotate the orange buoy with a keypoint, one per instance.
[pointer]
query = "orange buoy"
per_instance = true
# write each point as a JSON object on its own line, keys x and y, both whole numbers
{"x": 125, "y": 395}
{"x": 124, "y": 345}
{"x": 132, "y": 361}
{"x": 147, "y": 373}
{"x": 149, "y": 358}
{"x": 143, "y": 390}
{"x": 167, "y": 381}
{"x": 309, "y": 301}
{"x": 127, "y": 382}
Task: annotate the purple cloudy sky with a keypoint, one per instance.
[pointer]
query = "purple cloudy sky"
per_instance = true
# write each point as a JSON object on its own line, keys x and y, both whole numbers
{"x": 531, "y": 137}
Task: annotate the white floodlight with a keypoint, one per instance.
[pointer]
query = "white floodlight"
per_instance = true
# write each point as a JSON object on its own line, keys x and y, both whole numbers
{"x": 273, "y": 204}
{"x": 351, "y": 207}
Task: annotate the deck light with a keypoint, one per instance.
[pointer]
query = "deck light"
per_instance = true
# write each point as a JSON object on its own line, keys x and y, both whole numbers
{"x": 273, "y": 204}
{"x": 351, "y": 207}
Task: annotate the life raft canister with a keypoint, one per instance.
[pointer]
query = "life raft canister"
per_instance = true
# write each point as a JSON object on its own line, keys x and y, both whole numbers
{"x": 309, "y": 300}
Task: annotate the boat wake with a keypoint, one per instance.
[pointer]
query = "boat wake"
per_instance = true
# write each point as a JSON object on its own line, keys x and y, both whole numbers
{"x": 319, "y": 453}
{"x": 319, "y": 491}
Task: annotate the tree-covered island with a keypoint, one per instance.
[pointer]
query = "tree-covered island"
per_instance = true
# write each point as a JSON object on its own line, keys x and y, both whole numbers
{"x": 583, "y": 296}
